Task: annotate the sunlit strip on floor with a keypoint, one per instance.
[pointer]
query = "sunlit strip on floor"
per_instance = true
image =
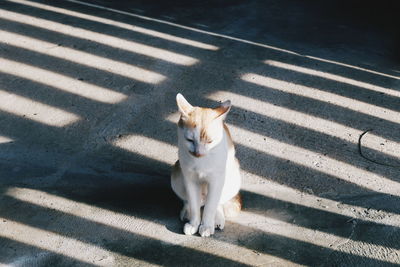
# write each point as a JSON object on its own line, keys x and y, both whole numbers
{"x": 134, "y": 225}
{"x": 53, "y": 242}
{"x": 353, "y": 67}
{"x": 319, "y": 203}
{"x": 308, "y": 121}
{"x": 231, "y": 38}
{"x": 61, "y": 82}
{"x": 161, "y": 35}
{"x": 318, "y": 238}
{"x": 4, "y": 140}
{"x": 333, "y": 77}
{"x": 320, "y": 95}
{"x": 36, "y": 111}
{"x": 83, "y": 58}
{"x": 108, "y": 40}
{"x": 148, "y": 147}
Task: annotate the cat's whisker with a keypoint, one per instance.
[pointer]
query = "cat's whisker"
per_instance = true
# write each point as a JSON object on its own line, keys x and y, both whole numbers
{"x": 331, "y": 98}
{"x": 130, "y": 27}
{"x": 32, "y": 110}
{"x": 62, "y": 82}
{"x": 83, "y": 58}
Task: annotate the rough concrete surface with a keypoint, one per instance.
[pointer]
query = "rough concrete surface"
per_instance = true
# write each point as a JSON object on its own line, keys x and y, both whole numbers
{"x": 88, "y": 135}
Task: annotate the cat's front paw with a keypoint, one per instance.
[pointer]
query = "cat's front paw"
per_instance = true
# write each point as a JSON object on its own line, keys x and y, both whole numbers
{"x": 189, "y": 229}
{"x": 206, "y": 231}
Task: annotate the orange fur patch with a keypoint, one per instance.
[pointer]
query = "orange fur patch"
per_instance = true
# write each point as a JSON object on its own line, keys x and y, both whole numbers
{"x": 200, "y": 118}
{"x": 233, "y": 206}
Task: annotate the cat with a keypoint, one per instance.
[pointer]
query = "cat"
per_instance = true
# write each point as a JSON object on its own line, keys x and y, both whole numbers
{"x": 207, "y": 172}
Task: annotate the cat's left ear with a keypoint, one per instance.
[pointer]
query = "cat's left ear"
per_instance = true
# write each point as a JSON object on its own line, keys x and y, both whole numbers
{"x": 184, "y": 107}
{"x": 223, "y": 110}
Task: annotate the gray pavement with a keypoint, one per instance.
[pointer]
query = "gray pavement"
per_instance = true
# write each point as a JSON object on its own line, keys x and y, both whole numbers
{"x": 87, "y": 130}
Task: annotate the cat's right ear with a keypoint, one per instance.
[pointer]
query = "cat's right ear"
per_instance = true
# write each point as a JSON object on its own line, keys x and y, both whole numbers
{"x": 184, "y": 107}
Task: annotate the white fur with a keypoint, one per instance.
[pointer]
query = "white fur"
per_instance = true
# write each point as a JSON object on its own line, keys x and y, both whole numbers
{"x": 209, "y": 181}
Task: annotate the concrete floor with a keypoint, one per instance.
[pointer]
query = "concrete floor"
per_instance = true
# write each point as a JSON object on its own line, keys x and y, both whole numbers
{"x": 87, "y": 136}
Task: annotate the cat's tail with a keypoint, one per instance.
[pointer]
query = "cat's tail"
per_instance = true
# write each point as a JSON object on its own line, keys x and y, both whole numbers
{"x": 233, "y": 206}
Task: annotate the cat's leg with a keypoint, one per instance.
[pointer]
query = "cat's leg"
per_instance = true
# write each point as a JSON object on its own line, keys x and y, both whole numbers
{"x": 193, "y": 197}
{"x": 207, "y": 226}
{"x": 220, "y": 218}
{"x": 178, "y": 186}
{"x": 184, "y": 215}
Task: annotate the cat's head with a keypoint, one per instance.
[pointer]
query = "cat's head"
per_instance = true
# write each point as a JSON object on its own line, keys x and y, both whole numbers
{"x": 200, "y": 129}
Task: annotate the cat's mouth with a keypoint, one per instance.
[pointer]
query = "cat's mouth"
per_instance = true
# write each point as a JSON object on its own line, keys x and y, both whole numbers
{"x": 197, "y": 155}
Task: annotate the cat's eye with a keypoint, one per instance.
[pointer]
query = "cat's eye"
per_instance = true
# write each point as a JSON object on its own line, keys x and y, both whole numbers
{"x": 209, "y": 141}
{"x": 189, "y": 140}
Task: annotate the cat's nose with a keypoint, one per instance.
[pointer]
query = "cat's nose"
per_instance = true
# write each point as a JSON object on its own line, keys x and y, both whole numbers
{"x": 197, "y": 154}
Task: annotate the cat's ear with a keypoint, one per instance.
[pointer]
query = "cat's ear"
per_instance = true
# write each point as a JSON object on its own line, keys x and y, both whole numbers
{"x": 184, "y": 107}
{"x": 223, "y": 109}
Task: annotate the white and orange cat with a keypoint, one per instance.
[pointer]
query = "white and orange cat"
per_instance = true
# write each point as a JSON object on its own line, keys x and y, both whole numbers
{"x": 207, "y": 172}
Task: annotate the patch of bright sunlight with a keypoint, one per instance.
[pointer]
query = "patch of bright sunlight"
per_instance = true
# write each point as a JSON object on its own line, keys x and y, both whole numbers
{"x": 83, "y": 58}
{"x": 316, "y": 237}
{"x": 315, "y": 161}
{"x": 314, "y": 123}
{"x": 4, "y": 139}
{"x": 36, "y": 111}
{"x": 148, "y": 147}
{"x": 134, "y": 225}
{"x": 104, "y": 39}
{"x": 320, "y": 95}
{"x": 121, "y": 25}
{"x": 54, "y": 242}
{"x": 333, "y": 77}
{"x": 62, "y": 82}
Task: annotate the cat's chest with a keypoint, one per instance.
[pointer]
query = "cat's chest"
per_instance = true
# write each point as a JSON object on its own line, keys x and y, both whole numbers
{"x": 203, "y": 168}
{"x": 199, "y": 168}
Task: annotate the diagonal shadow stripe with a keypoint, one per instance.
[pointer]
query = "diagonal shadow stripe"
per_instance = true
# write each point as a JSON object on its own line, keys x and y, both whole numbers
{"x": 69, "y": 68}
{"x": 328, "y": 222}
{"x": 366, "y": 95}
{"x": 33, "y": 255}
